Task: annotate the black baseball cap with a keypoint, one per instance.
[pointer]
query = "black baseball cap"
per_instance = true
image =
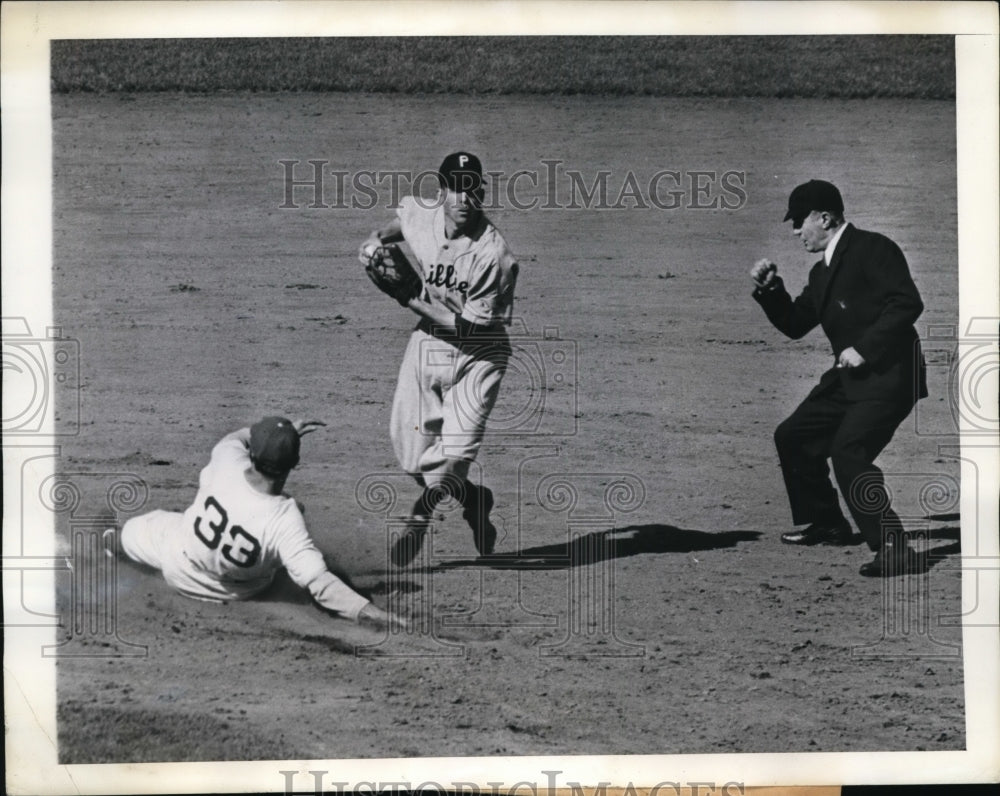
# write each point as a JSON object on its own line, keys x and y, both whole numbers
{"x": 461, "y": 172}
{"x": 813, "y": 195}
{"x": 274, "y": 445}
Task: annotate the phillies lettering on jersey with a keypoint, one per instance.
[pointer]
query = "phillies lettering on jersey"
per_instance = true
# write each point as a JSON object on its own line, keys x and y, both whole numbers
{"x": 441, "y": 275}
{"x": 474, "y": 275}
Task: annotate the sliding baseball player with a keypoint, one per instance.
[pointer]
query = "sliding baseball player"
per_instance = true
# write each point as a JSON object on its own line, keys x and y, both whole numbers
{"x": 242, "y": 528}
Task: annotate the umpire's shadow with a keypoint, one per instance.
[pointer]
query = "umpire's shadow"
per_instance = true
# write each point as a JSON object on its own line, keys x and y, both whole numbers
{"x": 597, "y": 546}
{"x": 937, "y": 554}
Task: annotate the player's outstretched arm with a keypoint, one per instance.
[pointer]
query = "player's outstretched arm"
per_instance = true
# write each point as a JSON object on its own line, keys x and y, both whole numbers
{"x": 371, "y": 614}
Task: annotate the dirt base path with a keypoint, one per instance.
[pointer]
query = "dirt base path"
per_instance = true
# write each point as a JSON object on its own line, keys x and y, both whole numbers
{"x": 654, "y": 612}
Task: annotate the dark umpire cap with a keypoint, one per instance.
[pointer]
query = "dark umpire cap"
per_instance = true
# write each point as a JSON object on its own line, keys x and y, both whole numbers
{"x": 274, "y": 445}
{"x": 461, "y": 172}
{"x": 813, "y": 195}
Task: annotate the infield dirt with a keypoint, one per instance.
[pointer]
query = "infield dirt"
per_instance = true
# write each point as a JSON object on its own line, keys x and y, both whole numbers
{"x": 648, "y": 607}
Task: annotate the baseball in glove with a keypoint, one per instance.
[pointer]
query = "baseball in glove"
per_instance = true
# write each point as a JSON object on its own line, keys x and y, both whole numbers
{"x": 391, "y": 272}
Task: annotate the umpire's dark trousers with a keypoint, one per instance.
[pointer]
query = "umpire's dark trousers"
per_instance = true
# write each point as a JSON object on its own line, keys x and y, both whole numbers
{"x": 851, "y": 434}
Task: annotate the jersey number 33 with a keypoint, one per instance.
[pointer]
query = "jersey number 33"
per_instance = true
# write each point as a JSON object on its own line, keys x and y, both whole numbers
{"x": 210, "y": 528}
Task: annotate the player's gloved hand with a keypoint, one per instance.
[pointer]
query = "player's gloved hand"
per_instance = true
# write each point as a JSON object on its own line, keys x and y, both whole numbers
{"x": 392, "y": 272}
{"x": 763, "y": 273}
{"x": 850, "y": 358}
{"x": 371, "y": 614}
{"x": 305, "y": 426}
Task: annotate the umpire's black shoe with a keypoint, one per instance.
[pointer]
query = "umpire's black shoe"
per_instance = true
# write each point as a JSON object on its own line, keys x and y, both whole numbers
{"x": 476, "y": 512}
{"x": 408, "y": 545}
{"x": 837, "y": 533}
{"x": 894, "y": 558}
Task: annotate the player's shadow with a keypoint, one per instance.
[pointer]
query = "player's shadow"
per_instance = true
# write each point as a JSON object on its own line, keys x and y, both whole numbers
{"x": 592, "y": 548}
{"x": 951, "y": 517}
{"x": 284, "y": 590}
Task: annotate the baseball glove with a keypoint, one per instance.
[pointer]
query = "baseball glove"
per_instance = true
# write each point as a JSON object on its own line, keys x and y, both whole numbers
{"x": 391, "y": 272}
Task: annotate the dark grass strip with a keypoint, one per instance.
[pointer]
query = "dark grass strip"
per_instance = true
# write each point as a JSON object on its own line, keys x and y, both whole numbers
{"x": 919, "y": 67}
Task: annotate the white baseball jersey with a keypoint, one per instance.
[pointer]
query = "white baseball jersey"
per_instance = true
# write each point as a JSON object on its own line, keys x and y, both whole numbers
{"x": 233, "y": 539}
{"x": 473, "y": 275}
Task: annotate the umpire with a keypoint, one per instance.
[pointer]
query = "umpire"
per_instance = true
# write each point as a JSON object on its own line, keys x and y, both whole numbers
{"x": 862, "y": 294}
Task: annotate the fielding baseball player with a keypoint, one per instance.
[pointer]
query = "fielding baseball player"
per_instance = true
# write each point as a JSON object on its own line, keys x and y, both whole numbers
{"x": 457, "y": 355}
{"x": 241, "y": 528}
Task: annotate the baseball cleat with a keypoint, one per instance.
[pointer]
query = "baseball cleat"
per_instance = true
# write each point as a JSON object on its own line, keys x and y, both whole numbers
{"x": 408, "y": 545}
{"x": 477, "y": 514}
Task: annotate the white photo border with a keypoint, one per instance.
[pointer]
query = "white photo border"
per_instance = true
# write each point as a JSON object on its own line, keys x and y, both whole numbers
{"x": 27, "y": 30}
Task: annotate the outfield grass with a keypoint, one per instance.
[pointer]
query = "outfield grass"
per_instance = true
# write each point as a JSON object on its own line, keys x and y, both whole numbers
{"x": 684, "y": 66}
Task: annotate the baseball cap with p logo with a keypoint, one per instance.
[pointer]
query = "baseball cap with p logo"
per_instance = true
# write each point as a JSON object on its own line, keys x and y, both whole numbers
{"x": 813, "y": 195}
{"x": 461, "y": 172}
{"x": 274, "y": 445}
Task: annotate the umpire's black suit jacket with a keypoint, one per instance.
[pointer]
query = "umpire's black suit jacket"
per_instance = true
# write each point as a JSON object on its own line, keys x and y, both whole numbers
{"x": 866, "y": 299}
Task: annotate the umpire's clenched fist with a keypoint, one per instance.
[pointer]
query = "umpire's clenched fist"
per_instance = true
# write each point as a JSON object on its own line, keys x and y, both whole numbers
{"x": 763, "y": 273}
